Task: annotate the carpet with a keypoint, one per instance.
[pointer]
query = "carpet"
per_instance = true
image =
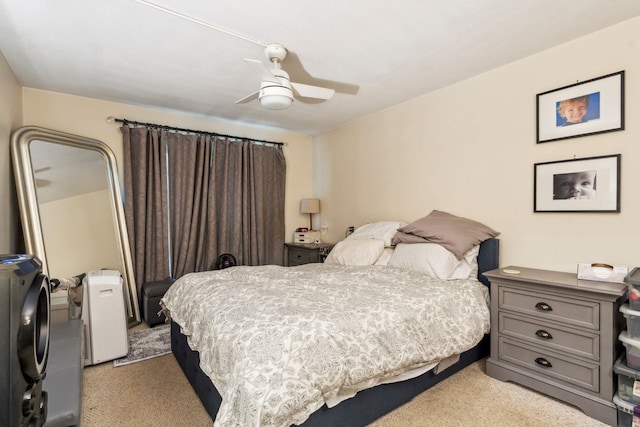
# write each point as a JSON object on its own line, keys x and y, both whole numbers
{"x": 145, "y": 344}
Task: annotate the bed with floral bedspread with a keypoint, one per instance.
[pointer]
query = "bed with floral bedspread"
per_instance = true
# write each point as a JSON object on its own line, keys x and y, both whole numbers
{"x": 280, "y": 342}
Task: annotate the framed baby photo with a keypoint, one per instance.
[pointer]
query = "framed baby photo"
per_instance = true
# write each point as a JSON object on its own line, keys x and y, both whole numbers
{"x": 586, "y": 108}
{"x": 577, "y": 185}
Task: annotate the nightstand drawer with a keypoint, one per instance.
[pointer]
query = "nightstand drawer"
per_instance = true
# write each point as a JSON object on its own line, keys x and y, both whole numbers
{"x": 553, "y": 365}
{"x": 299, "y": 257}
{"x": 555, "y": 308}
{"x": 548, "y": 335}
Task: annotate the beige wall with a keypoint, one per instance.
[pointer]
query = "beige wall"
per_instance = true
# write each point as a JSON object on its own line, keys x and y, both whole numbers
{"x": 88, "y": 117}
{"x": 469, "y": 149}
{"x": 10, "y": 118}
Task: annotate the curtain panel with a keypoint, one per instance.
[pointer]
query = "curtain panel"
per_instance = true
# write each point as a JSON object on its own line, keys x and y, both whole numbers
{"x": 192, "y": 197}
{"x": 145, "y": 203}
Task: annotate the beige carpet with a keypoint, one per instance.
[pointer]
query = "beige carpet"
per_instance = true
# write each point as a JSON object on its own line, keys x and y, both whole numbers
{"x": 156, "y": 393}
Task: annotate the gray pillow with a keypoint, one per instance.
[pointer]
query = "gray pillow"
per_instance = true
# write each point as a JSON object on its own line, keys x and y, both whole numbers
{"x": 455, "y": 233}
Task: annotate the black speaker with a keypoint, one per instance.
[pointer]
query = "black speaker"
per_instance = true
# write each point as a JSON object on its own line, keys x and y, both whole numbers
{"x": 25, "y": 311}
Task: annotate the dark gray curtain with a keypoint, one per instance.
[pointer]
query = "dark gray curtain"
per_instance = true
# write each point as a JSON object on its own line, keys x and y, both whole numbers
{"x": 145, "y": 203}
{"x": 190, "y": 198}
{"x": 189, "y": 167}
{"x": 247, "y": 219}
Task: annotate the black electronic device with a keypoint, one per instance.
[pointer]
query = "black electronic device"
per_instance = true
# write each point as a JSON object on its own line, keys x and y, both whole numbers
{"x": 225, "y": 261}
{"x": 25, "y": 312}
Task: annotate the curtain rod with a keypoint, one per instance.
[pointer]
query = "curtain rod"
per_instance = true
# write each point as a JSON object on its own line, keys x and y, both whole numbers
{"x": 111, "y": 119}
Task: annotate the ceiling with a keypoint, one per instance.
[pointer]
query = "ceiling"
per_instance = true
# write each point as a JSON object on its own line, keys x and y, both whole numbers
{"x": 374, "y": 53}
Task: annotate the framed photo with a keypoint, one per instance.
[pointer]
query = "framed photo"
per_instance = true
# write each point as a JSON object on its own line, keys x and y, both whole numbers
{"x": 587, "y": 108}
{"x": 577, "y": 185}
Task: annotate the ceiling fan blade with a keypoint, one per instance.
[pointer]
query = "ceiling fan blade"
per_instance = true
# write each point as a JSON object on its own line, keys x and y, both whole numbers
{"x": 308, "y": 91}
{"x": 267, "y": 75}
{"x": 248, "y": 98}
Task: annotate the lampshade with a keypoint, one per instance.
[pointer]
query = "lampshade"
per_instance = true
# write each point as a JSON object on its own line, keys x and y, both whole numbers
{"x": 310, "y": 206}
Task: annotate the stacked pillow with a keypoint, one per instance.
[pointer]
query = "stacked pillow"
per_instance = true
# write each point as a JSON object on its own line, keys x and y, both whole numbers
{"x": 455, "y": 233}
{"x": 365, "y": 245}
{"x": 440, "y": 244}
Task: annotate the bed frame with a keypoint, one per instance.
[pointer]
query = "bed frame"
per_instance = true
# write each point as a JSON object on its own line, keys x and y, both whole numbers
{"x": 368, "y": 405}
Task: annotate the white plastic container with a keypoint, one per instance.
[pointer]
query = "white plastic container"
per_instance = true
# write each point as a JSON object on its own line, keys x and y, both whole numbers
{"x": 633, "y": 350}
{"x": 627, "y": 379}
{"x": 633, "y": 320}
{"x": 633, "y": 280}
{"x": 625, "y": 411}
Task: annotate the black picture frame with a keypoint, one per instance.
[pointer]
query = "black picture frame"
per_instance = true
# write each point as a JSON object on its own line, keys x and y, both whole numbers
{"x": 590, "y": 184}
{"x": 586, "y": 108}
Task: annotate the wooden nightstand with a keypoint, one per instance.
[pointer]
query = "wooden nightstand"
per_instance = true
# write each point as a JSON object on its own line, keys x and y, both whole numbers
{"x": 306, "y": 253}
{"x": 558, "y": 335}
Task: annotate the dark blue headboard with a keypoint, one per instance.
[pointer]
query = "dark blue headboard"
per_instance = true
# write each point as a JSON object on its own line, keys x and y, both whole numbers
{"x": 488, "y": 258}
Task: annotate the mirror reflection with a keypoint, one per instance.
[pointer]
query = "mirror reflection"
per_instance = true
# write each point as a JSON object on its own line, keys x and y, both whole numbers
{"x": 70, "y": 205}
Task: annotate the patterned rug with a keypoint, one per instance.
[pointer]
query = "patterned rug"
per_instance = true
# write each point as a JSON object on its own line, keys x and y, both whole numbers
{"x": 145, "y": 344}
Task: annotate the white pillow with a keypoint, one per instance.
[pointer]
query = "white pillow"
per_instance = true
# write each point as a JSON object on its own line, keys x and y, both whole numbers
{"x": 434, "y": 260}
{"x": 468, "y": 265}
{"x": 355, "y": 252}
{"x": 383, "y": 230}
{"x": 384, "y": 258}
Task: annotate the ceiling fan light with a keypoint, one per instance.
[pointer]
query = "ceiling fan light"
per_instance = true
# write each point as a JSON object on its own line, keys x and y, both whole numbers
{"x": 275, "y": 97}
{"x": 276, "y": 102}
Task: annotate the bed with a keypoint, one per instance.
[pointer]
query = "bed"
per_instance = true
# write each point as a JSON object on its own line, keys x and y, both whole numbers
{"x": 353, "y": 396}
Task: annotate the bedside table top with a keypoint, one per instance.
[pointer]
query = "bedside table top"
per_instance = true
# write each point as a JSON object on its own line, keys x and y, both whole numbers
{"x": 309, "y": 245}
{"x": 556, "y": 279}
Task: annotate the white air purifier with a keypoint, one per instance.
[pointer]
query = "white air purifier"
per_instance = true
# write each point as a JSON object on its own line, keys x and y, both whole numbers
{"x": 104, "y": 317}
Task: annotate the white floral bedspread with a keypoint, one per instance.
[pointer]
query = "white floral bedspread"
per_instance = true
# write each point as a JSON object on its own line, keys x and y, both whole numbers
{"x": 277, "y": 342}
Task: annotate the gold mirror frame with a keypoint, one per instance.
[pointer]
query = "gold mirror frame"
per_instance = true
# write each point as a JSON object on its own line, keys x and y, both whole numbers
{"x": 26, "y": 189}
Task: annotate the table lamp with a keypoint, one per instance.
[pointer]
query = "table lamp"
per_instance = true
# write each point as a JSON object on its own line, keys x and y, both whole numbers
{"x": 310, "y": 206}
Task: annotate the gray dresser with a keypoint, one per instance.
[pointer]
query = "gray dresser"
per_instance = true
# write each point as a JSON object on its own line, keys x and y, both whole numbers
{"x": 558, "y": 335}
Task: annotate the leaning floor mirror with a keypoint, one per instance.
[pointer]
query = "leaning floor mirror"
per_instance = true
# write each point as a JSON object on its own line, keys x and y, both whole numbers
{"x": 71, "y": 208}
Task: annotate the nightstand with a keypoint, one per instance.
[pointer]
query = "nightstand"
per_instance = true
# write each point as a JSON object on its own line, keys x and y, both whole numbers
{"x": 558, "y": 335}
{"x": 306, "y": 253}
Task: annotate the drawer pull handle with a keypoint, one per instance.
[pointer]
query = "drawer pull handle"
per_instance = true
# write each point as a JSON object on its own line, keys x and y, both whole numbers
{"x": 543, "y": 362}
{"x": 299, "y": 256}
{"x": 543, "y": 334}
{"x": 543, "y": 306}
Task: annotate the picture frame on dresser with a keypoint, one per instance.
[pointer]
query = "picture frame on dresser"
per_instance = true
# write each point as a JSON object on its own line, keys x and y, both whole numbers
{"x": 590, "y": 184}
{"x": 584, "y": 108}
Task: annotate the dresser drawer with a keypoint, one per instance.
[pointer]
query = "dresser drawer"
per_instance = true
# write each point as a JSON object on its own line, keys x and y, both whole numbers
{"x": 548, "y": 335}
{"x": 299, "y": 257}
{"x": 553, "y": 365}
{"x": 555, "y": 308}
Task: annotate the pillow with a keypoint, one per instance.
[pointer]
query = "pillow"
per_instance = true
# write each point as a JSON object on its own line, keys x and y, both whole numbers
{"x": 384, "y": 258}
{"x": 455, "y": 233}
{"x": 355, "y": 252}
{"x": 401, "y": 237}
{"x": 468, "y": 265}
{"x": 383, "y": 230}
{"x": 435, "y": 260}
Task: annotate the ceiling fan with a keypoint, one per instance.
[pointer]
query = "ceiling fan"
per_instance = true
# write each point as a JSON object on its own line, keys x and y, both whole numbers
{"x": 277, "y": 91}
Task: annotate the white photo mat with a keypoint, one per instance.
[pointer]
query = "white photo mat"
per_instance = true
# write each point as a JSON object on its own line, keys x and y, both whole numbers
{"x": 607, "y": 185}
{"x": 610, "y": 91}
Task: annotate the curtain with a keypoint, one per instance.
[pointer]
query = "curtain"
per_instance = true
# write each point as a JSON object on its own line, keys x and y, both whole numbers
{"x": 189, "y": 160}
{"x": 247, "y": 218}
{"x": 145, "y": 203}
{"x": 190, "y": 198}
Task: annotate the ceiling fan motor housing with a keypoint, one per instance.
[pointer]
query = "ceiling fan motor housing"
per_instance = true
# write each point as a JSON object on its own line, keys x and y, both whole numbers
{"x": 276, "y": 95}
